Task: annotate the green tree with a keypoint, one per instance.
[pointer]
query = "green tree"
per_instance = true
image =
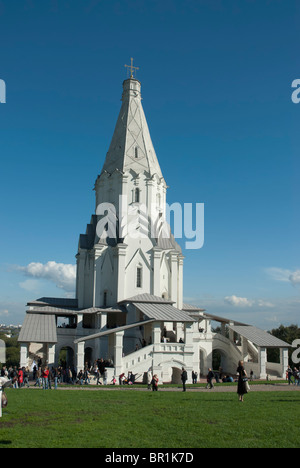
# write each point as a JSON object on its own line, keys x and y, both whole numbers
{"x": 287, "y": 334}
{"x": 12, "y": 350}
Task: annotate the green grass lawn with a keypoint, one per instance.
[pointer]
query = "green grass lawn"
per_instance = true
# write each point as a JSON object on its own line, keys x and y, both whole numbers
{"x": 141, "y": 419}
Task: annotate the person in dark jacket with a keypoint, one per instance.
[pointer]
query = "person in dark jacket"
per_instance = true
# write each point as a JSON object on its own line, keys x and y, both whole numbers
{"x": 210, "y": 377}
{"x": 184, "y": 378}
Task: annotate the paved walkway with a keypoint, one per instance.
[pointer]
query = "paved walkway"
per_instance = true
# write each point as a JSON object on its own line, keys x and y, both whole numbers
{"x": 280, "y": 387}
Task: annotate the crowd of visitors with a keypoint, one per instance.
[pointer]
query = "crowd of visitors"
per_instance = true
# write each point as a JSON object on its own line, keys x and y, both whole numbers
{"x": 49, "y": 377}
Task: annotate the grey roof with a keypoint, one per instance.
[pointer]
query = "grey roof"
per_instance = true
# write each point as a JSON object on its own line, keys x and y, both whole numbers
{"x": 259, "y": 337}
{"x": 38, "y": 328}
{"x": 48, "y": 310}
{"x": 217, "y": 318}
{"x": 131, "y": 131}
{"x": 163, "y": 312}
{"x": 191, "y": 308}
{"x": 148, "y": 298}
{"x": 65, "y": 312}
{"x": 55, "y": 302}
{"x": 168, "y": 243}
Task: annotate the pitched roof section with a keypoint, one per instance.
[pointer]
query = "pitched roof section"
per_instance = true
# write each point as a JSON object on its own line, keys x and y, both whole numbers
{"x": 259, "y": 337}
{"x": 64, "y": 312}
{"x": 192, "y": 308}
{"x": 131, "y": 146}
{"x": 112, "y": 331}
{"x": 55, "y": 302}
{"x": 148, "y": 298}
{"x": 163, "y": 312}
{"x": 38, "y": 328}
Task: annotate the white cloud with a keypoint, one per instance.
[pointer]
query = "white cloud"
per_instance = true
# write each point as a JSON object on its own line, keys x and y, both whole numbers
{"x": 238, "y": 301}
{"x": 284, "y": 275}
{"x": 262, "y": 303}
{"x": 4, "y": 313}
{"x": 278, "y": 274}
{"x": 62, "y": 275}
{"x": 31, "y": 285}
{"x": 295, "y": 277}
{"x": 244, "y": 302}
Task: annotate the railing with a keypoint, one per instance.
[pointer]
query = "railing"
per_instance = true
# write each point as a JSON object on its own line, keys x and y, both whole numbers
{"x": 138, "y": 357}
{"x": 172, "y": 347}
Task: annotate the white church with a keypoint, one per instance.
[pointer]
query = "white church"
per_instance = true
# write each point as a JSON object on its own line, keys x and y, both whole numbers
{"x": 129, "y": 307}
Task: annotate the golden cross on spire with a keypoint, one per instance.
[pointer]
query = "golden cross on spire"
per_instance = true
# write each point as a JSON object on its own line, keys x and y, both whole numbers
{"x": 131, "y": 68}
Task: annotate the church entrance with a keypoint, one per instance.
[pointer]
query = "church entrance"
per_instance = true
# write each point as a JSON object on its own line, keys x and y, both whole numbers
{"x": 176, "y": 375}
{"x": 66, "y": 357}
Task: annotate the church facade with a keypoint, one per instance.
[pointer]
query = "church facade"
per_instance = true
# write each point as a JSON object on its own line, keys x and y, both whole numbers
{"x": 129, "y": 307}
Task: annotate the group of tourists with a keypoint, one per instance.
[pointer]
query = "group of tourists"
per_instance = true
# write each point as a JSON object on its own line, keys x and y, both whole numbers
{"x": 293, "y": 376}
{"x": 18, "y": 375}
{"x": 47, "y": 377}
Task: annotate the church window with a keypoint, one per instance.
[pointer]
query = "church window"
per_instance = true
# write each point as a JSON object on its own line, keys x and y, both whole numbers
{"x": 137, "y": 195}
{"x": 136, "y": 152}
{"x": 139, "y": 277}
{"x": 105, "y": 299}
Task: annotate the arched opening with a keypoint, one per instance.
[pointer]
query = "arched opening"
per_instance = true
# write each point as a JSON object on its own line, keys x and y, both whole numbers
{"x": 221, "y": 363}
{"x": 203, "y": 362}
{"x": 171, "y": 371}
{"x": 216, "y": 359}
{"x": 66, "y": 357}
{"x": 176, "y": 375}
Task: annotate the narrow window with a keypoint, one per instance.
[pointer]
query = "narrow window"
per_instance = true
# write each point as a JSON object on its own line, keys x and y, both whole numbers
{"x": 136, "y": 152}
{"x": 105, "y": 299}
{"x": 137, "y": 195}
{"x": 139, "y": 277}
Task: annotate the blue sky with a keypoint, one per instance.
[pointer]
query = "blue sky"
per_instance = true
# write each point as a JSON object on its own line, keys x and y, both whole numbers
{"x": 216, "y": 84}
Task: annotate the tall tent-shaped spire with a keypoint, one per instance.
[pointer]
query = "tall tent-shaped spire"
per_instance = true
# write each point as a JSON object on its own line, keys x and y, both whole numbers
{"x": 128, "y": 248}
{"x": 131, "y": 145}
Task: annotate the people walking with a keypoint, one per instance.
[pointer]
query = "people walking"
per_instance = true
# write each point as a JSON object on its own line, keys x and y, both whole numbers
{"x": 209, "y": 379}
{"x": 26, "y": 377}
{"x": 242, "y": 381}
{"x": 290, "y": 375}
